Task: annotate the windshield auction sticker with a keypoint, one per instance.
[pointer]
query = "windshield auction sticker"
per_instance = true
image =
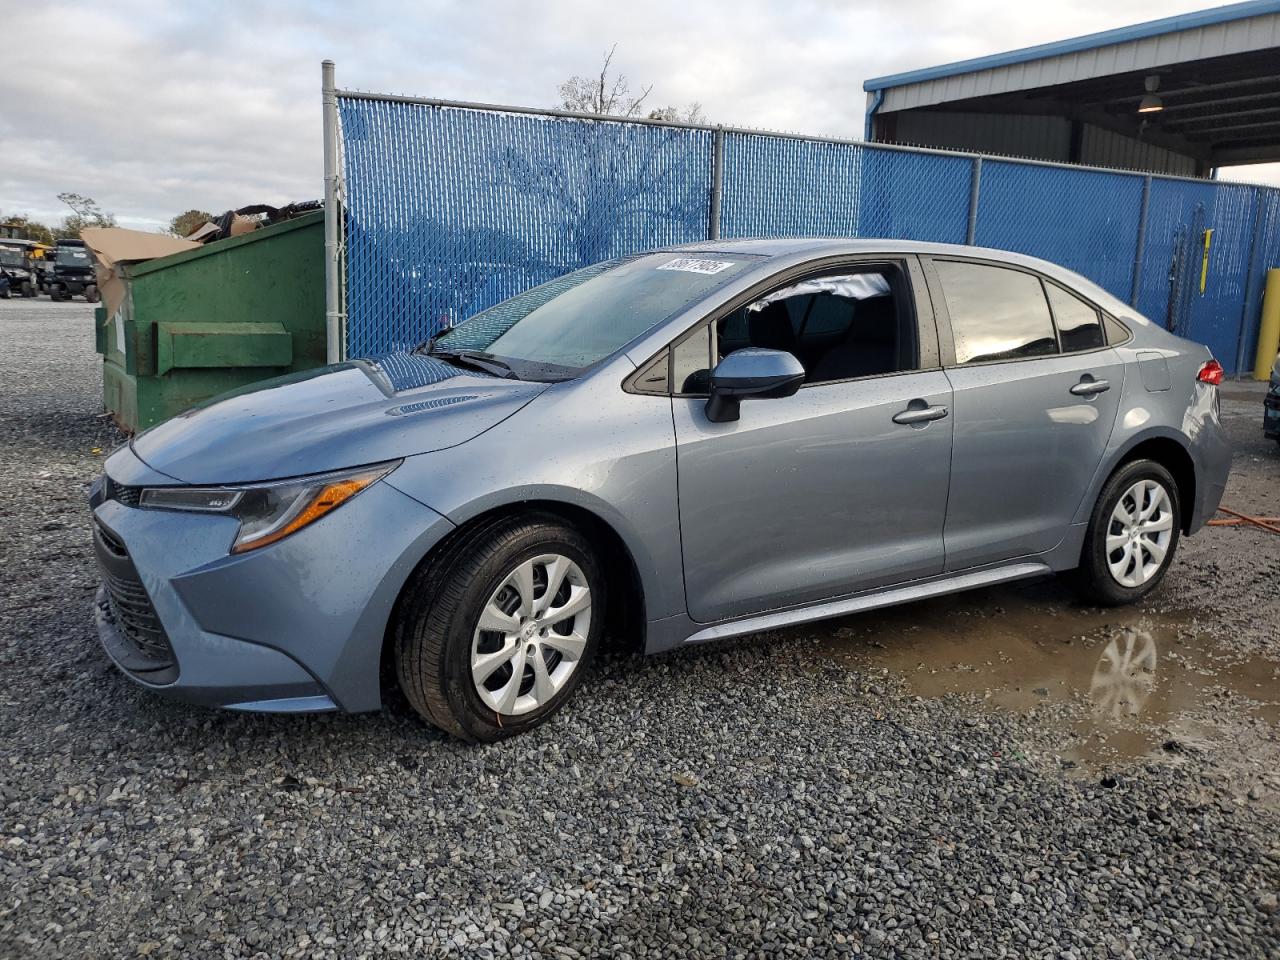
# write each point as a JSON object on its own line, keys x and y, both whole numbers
{"x": 690, "y": 265}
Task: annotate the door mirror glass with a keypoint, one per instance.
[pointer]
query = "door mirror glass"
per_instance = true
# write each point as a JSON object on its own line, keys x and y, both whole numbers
{"x": 752, "y": 373}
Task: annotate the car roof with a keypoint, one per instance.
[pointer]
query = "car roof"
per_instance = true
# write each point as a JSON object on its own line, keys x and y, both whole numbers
{"x": 799, "y": 248}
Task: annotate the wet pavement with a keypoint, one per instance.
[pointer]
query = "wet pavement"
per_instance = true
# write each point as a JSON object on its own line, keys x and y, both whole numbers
{"x": 1113, "y": 684}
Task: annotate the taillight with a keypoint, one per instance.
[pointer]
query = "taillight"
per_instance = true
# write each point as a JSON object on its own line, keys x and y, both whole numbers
{"x": 1211, "y": 372}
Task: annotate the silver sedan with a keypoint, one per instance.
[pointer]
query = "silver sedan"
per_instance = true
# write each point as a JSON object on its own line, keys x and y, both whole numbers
{"x": 689, "y": 445}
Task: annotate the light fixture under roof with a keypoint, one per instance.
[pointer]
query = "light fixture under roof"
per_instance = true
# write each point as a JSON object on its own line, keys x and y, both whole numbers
{"x": 1151, "y": 103}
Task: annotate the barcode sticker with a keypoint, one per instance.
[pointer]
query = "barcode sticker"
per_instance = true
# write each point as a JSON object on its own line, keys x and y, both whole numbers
{"x": 690, "y": 265}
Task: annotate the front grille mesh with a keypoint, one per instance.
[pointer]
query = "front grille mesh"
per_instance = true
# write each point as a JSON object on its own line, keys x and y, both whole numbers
{"x": 129, "y": 496}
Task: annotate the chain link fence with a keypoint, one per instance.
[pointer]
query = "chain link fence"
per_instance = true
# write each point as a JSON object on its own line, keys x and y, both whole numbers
{"x": 450, "y": 208}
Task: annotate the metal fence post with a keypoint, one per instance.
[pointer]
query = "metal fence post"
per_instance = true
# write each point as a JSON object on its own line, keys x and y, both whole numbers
{"x": 1142, "y": 243}
{"x": 1250, "y": 300}
{"x": 332, "y": 291}
{"x": 975, "y": 190}
{"x": 717, "y": 183}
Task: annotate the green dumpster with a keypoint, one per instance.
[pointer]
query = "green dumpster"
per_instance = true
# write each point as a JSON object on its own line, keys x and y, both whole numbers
{"x": 195, "y": 324}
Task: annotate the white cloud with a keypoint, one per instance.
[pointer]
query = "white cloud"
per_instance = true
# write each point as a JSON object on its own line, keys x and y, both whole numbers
{"x": 153, "y": 108}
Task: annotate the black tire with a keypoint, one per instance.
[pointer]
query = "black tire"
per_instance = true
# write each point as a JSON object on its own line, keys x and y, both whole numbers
{"x": 440, "y": 609}
{"x": 4, "y": 294}
{"x": 55, "y": 293}
{"x": 91, "y": 293}
{"x": 1094, "y": 577}
{"x": 28, "y": 290}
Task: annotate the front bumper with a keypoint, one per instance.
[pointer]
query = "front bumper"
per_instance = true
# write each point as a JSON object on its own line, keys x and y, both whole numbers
{"x": 1271, "y": 415}
{"x": 297, "y": 625}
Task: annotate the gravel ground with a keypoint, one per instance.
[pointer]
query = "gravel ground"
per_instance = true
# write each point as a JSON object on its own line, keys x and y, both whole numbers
{"x": 754, "y": 800}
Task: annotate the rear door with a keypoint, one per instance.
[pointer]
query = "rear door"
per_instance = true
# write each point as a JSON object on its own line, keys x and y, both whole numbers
{"x": 825, "y": 493}
{"x": 1034, "y": 405}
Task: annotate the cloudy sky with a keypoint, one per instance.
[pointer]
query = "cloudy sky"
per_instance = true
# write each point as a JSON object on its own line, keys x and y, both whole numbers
{"x": 156, "y": 107}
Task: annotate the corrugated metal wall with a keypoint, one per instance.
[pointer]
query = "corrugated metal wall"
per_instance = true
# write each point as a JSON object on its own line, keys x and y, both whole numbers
{"x": 1033, "y": 137}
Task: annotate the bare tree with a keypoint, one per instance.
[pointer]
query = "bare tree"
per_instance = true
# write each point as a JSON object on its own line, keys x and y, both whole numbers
{"x": 601, "y": 94}
{"x": 85, "y": 212}
{"x": 611, "y": 96}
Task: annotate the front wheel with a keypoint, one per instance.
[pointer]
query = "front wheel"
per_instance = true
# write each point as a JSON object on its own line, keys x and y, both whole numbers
{"x": 91, "y": 293}
{"x": 496, "y": 632}
{"x": 1132, "y": 535}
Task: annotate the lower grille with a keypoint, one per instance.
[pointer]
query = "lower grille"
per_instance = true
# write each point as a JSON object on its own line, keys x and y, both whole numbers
{"x": 136, "y": 618}
{"x": 142, "y": 647}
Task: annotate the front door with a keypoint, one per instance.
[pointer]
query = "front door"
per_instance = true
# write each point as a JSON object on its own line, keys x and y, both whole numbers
{"x": 825, "y": 493}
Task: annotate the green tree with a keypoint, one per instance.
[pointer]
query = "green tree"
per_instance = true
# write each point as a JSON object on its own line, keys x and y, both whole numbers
{"x": 28, "y": 228}
{"x": 184, "y": 223}
{"x": 85, "y": 212}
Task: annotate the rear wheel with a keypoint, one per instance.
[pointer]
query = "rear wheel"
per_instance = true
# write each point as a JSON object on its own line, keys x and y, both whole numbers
{"x": 28, "y": 290}
{"x": 1132, "y": 536}
{"x": 497, "y": 631}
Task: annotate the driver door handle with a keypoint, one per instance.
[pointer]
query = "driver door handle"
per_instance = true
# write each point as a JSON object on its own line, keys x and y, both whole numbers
{"x": 919, "y": 414}
{"x": 1090, "y": 387}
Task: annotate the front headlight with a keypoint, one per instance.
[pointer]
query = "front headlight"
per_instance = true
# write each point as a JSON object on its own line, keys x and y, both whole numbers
{"x": 269, "y": 511}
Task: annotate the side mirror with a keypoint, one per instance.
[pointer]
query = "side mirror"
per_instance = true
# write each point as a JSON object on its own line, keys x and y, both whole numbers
{"x": 751, "y": 373}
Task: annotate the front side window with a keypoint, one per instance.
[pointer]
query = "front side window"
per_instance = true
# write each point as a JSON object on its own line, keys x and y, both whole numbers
{"x": 1079, "y": 327}
{"x": 560, "y": 328}
{"x": 996, "y": 313}
{"x": 840, "y": 326}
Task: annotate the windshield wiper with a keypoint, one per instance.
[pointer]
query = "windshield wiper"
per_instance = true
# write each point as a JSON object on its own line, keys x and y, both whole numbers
{"x": 478, "y": 360}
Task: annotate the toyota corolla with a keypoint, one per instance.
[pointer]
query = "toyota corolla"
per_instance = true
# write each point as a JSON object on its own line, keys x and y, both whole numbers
{"x": 690, "y": 444}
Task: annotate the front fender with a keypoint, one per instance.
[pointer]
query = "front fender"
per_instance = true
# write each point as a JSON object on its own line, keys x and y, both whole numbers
{"x": 603, "y": 451}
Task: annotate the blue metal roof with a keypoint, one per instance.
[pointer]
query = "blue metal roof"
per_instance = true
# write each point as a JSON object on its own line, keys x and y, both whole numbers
{"x": 1139, "y": 31}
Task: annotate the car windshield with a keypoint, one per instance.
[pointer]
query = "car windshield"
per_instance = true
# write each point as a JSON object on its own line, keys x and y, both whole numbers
{"x": 10, "y": 258}
{"x": 559, "y": 329}
{"x": 73, "y": 257}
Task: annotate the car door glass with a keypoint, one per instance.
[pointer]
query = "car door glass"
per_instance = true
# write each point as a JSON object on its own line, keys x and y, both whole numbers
{"x": 996, "y": 313}
{"x": 839, "y": 326}
{"x": 1079, "y": 327}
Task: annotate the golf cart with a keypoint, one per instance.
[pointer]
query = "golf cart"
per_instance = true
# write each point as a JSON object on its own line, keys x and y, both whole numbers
{"x": 15, "y": 270}
{"x": 73, "y": 273}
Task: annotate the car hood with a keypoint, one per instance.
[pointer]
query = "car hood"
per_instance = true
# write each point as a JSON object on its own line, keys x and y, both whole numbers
{"x": 339, "y": 416}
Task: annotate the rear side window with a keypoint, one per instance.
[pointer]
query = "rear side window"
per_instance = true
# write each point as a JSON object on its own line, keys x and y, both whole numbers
{"x": 1079, "y": 327}
{"x": 996, "y": 313}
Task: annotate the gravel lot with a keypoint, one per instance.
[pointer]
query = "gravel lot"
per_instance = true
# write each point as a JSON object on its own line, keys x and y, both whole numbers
{"x": 769, "y": 798}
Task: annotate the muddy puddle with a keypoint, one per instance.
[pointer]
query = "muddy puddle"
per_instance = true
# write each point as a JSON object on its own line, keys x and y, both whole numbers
{"x": 1110, "y": 685}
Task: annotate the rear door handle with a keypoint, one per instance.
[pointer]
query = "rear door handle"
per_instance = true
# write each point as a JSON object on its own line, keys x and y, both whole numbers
{"x": 913, "y": 415}
{"x": 1090, "y": 387}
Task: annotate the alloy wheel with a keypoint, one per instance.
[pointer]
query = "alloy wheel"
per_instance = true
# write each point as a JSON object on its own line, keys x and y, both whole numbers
{"x": 531, "y": 635}
{"x": 1139, "y": 533}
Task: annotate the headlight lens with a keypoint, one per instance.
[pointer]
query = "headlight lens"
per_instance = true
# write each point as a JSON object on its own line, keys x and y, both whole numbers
{"x": 269, "y": 511}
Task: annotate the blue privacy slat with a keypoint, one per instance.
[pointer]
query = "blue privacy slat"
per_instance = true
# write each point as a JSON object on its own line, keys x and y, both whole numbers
{"x": 1082, "y": 219}
{"x": 450, "y": 210}
{"x": 781, "y": 187}
{"x": 915, "y": 196}
{"x": 1177, "y": 210}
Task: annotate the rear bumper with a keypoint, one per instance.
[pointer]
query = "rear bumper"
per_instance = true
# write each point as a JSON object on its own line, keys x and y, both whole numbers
{"x": 298, "y": 625}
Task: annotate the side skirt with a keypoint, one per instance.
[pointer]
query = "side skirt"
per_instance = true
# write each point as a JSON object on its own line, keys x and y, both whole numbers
{"x": 919, "y": 590}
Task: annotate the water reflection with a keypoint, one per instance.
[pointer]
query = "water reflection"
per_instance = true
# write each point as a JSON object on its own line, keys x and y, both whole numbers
{"x": 1125, "y": 675}
{"x": 1112, "y": 683}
